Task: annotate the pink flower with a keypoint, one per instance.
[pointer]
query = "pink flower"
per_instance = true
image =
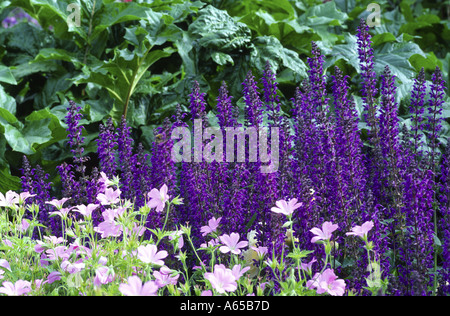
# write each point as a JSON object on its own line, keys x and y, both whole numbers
{"x": 361, "y": 231}
{"x": 286, "y": 208}
{"x": 177, "y": 235}
{"x": 53, "y": 276}
{"x": 21, "y": 287}
{"x": 10, "y": 199}
{"x": 136, "y": 230}
{"x": 67, "y": 266}
{"x": 84, "y": 210}
{"x": 158, "y": 198}
{"x": 150, "y": 254}
{"x": 108, "y": 228}
{"x": 260, "y": 251}
{"x": 58, "y": 252}
{"x": 24, "y": 225}
{"x": 232, "y": 243}
{"x": 58, "y": 203}
{"x": 238, "y": 272}
{"x": 25, "y": 195}
{"x": 63, "y": 212}
{"x": 327, "y": 282}
{"x": 307, "y": 266}
{"x": 325, "y": 234}
{"x": 4, "y": 264}
{"x": 110, "y": 196}
{"x": 213, "y": 223}
{"x": 136, "y": 288}
{"x": 206, "y": 293}
{"x": 211, "y": 243}
{"x": 222, "y": 279}
{"x": 103, "y": 275}
{"x": 54, "y": 240}
{"x": 164, "y": 277}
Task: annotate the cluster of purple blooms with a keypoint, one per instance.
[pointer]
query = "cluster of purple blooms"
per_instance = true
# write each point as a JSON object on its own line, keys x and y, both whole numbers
{"x": 392, "y": 182}
{"x": 17, "y": 16}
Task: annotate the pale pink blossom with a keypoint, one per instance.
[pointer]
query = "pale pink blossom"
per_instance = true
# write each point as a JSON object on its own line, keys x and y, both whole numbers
{"x": 158, "y": 198}
{"x": 164, "y": 276}
{"x": 286, "y": 208}
{"x": 308, "y": 266}
{"x": 60, "y": 252}
{"x": 134, "y": 287}
{"x": 150, "y": 254}
{"x": 177, "y": 235}
{"x": 361, "y": 231}
{"x": 206, "y": 293}
{"x": 24, "y": 225}
{"x": 58, "y": 203}
{"x": 25, "y": 195}
{"x": 20, "y": 287}
{"x": 260, "y": 251}
{"x": 221, "y": 279}
{"x": 109, "y": 228}
{"x": 67, "y": 266}
{"x": 103, "y": 275}
{"x": 213, "y": 223}
{"x": 110, "y": 196}
{"x": 84, "y": 210}
{"x": 325, "y": 233}
{"x": 327, "y": 282}
{"x": 53, "y": 277}
{"x": 238, "y": 272}
{"x": 10, "y": 199}
{"x": 232, "y": 243}
{"x": 63, "y": 212}
{"x": 4, "y": 264}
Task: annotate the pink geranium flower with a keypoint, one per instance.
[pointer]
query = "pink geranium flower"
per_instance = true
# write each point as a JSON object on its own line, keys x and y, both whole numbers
{"x": 110, "y": 196}
{"x": 136, "y": 288}
{"x": 25, "y": 195}
{"x": 238, "y": 272}
{"x": 10, "y": 199}
{"x": 232, "y": 243}
{"x": 63, "y": 212}
{"x": 72, "y": 268}
{"x": 103, "y": 275}
{"x": 222, "y": 279}
{"x": 308, "y": 266}
{"x": 164, "y": 277}
{"x": 150, "y": 254}
{"x": 213, "y": 223}
{"x": 4, "y": 264}
{"x": 361, "y": 231}
{"x": 158, "y": 198}
{"x": 58, "y": 203}
{"x": 21, "y": 287}
{"x": 108, "y": 228}
{"x": 58, "y": 252}
{"x": 327, "y": 282}
{"x": 53, "y": 277}
{"x": 260, "y": 251}
{"x": 286, "y": 208}
{"x": 325, "y": 233}
{"x": 84, "y": 210}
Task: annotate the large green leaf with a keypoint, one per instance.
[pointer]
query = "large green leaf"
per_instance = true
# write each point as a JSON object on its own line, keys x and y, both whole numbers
{"x": 6, "y": 75}
{"x": 218, "y": 31}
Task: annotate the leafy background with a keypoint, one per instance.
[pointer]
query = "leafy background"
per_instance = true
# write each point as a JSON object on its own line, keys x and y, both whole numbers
{"x": 140, "y": 59}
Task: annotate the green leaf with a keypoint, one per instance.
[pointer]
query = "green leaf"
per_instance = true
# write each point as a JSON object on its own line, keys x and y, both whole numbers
{"x": 222, "y": 58}
{"x": 8, "y": 181}
{"x": 6, "y": 75}
{"x": 7, "y": 103}
{"x": 218, "y": 31}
